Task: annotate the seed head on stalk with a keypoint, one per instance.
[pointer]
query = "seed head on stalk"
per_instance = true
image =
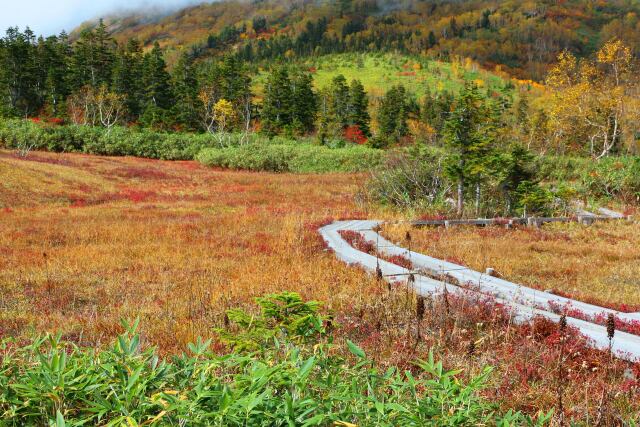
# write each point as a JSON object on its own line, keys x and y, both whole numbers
{"x": 611, "y": 326}
{"x": 420, "y": 307}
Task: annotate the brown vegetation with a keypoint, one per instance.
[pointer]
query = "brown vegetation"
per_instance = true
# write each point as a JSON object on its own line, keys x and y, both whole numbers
{"x": 593, "y": 264}
{"x": 89, "y": 240}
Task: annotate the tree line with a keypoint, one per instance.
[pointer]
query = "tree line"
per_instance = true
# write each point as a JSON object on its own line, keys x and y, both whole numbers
{"x": 591, "y": 107}
{"x": 95, "y": 81}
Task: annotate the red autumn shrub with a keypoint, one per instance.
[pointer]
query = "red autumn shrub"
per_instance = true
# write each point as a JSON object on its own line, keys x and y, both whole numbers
{"x": 354, "y": 134}
{"x": 137, "y": 196}
{"x": 56, "y": 121}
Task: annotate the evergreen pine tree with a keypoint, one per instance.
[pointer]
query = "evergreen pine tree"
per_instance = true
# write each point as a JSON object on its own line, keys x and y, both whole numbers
{"x": 93, "y": 58}
{"x": 236, "y": 82}
{"x": 432, "y": 41}
{"x": 20, "y": 76}
{"x": 277, "y": 106}
{"x": 156, "y": 83}
{"x": 345, "y": 7}
{"x": 429, "y": 109}
{"x": 516, "y": 166}
{"x": 340, "y": 99}
{"x": 329, "y": 127}
{"x": 393, "y": 114}
{"x": 185, "y": 86}
{"x": 468, "y": 135}
{"x": 522, "y": 113}
{"x": 104, "y": 51}
{"x": 305, "y": 102}
{"x": 127, "y": 77}
{"x": 358, "y": 110}
{"x": 57, "y": 87}
{"x": 156, "y": 79}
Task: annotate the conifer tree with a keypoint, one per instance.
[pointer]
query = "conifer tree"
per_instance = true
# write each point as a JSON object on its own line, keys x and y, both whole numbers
{"x": 305, "y": 102}
{"x": 19, "y": 72}
{"x": 156, "y": 84}
{"x": 185, "y": 87}
{"x": 435, "y": 108}
{"x": 227, "y": 80}
{"x": 432, "y": 41}
{"x": 345, "y": 7}
{"x": 516, "y": 166}
{"x": 156, "y": 79}
{"x": 358, "y": 109}
{"x": 93, "y": 58}
{"x": 340, "y": 99}
{"x": 104, "y": 54}
{"x": 54, "y": 56}
{"x": 236, "y": 82}
{"x": 277, "y": 107}
{"x": 329, "y": 127}
{"x": 127, "y": 77}
{"x": 393, "y": 114}
{"x": 468, "y": 135}
{"x": 522, "y": 114}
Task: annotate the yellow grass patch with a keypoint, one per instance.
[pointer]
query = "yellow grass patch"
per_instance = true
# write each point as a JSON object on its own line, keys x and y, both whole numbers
{"x": 88, "y": 240}
{"x": 596, "y": 264}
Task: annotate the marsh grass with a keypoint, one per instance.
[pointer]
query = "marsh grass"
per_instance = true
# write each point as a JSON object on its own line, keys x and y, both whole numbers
{"x": 596, "y": 264}
{"x": 93, "y": 240}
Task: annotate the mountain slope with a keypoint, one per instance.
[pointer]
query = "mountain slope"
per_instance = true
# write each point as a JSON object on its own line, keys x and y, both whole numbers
{"x": 523, "y": 37}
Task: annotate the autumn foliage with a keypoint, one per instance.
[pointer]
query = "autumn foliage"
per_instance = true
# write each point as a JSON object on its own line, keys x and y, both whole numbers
{"x": 355, "y": 135}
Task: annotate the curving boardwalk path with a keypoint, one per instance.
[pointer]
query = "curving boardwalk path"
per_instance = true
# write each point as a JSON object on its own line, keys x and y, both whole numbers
{"x": 524, "y": 302}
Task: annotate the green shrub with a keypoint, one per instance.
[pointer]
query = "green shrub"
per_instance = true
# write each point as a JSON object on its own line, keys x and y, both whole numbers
{"x": 290, "y": 382}
{"x": 298, "y": 158}
{"x": 416, "y": 178}
{"x": 118, "y": 141}
{"x": 562, "y": 168}
{"x": 533, "y": 199}
{"x": 604, "y": 179}
{"x": 236, "y": 151}
{"x": 613, "y": 177}
{"x": 411, "y": 180}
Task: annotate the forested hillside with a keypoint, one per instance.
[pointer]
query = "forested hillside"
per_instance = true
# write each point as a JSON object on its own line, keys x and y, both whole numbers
{"x": 522, "y": 37}
{"x": 341, "y": 74}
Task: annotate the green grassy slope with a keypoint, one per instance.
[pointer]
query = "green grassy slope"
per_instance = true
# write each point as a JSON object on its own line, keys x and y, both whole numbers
{"x": 380, "y": 71}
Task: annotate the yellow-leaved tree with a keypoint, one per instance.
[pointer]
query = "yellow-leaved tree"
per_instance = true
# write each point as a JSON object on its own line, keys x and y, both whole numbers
{"x": 218, "y": 114}
{"x": 594, "y": 105}
{"x": 224, "y": 115}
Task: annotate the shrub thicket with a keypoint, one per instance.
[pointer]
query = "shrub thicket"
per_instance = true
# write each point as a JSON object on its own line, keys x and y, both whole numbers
{"x": 417, "y": 178}
{"x": 118, "y": 141}
{"x": 236, "y": 151}
{"x": 609, "y": 178}
{"x": 411, "y": 181}
{"x": 613, "y": 178}
{"x": 301, "y": 158}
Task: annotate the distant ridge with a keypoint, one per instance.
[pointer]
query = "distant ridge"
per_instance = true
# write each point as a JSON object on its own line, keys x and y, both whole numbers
{"x": 522, "y": 38}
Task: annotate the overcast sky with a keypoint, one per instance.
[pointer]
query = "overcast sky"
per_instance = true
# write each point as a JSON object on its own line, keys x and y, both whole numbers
{"x": 48, "y": 17}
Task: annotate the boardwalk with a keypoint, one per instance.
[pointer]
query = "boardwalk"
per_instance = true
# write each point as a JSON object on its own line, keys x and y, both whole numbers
{"x": 524, "y": 302}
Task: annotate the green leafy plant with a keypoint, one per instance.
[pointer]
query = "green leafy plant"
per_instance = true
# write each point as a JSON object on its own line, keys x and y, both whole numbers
{"x": 298, "y": 158}
{"x": 294, "y": 380}
{"x": 283, "y": 316}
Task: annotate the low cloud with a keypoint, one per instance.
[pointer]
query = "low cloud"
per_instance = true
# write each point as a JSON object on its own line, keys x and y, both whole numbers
{"x": 50, "y": 17}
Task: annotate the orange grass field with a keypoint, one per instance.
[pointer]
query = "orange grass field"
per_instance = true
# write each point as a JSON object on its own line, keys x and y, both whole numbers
{"x": 89, "y": 240}
{"x": 598, "y": 263}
